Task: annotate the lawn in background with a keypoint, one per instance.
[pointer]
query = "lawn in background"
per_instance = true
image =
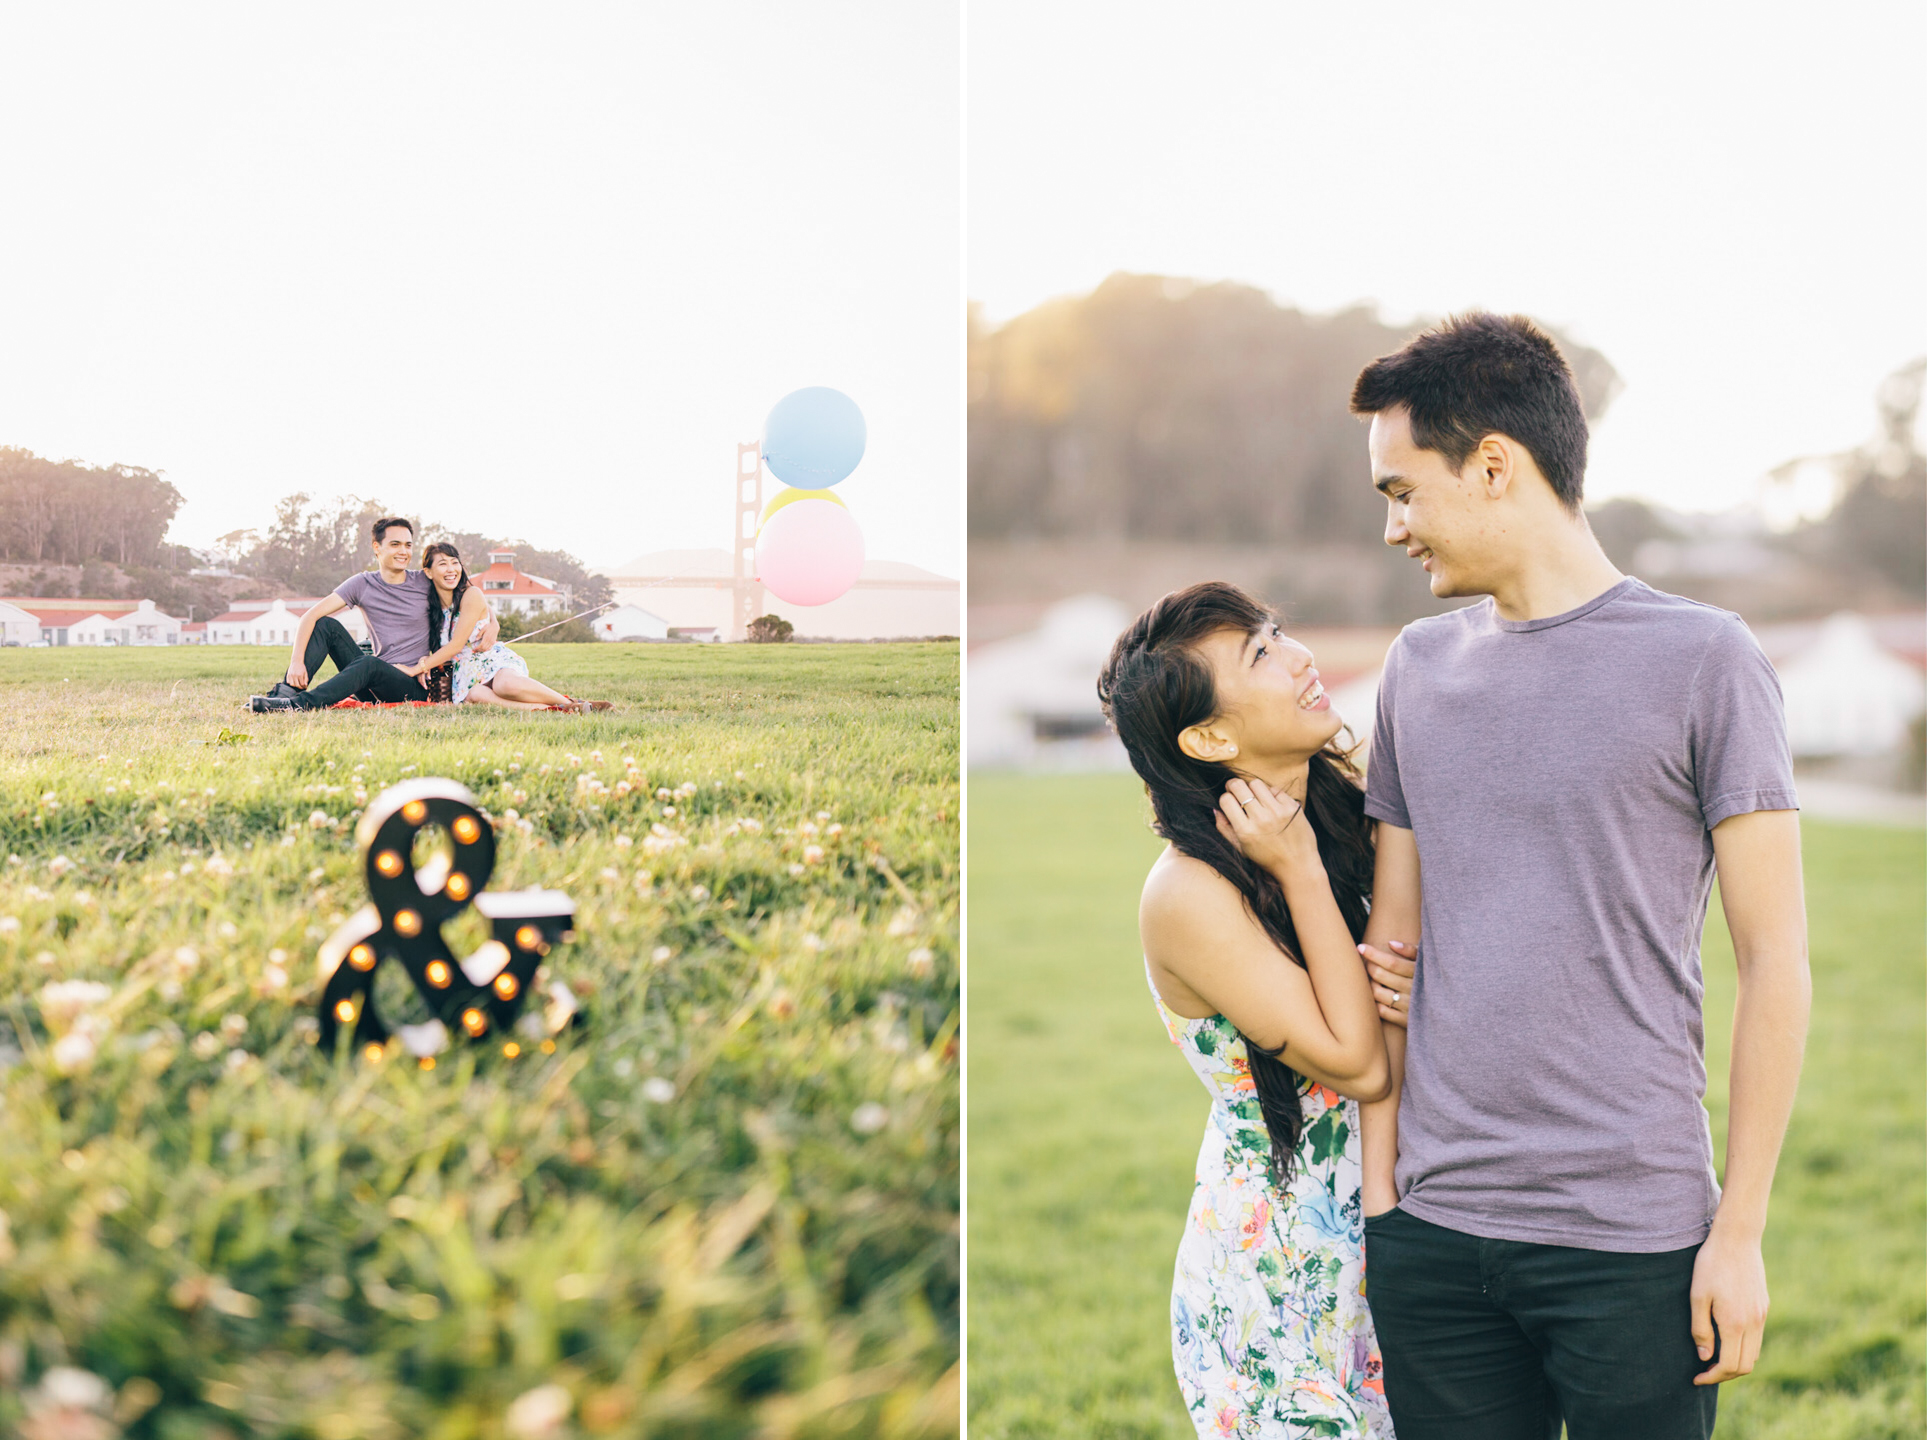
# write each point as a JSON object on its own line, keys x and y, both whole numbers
{"x": 726, "y": 1206}
{"x": 1084, "y": 1127}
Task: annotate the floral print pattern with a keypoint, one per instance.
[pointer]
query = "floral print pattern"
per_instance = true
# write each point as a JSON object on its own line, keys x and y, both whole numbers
{"x": 1269, "y": 1328}
{"x": 472, "y": 669}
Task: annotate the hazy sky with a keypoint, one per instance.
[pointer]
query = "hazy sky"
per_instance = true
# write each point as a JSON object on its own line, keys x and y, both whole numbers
{"x": 1728, "y": 201}
{"x": 533, "y": 270}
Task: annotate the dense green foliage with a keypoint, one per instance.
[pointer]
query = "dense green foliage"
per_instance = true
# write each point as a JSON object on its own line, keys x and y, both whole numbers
{"x": 726, "y": 1206}
{"x": 1084, "y": 1126}
{"x": 62, "y": 512}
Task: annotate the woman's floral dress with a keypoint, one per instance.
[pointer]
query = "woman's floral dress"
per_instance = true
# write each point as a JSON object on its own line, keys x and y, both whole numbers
{"x": 1268, "y": 1321}
{"x": 472, "y": 669}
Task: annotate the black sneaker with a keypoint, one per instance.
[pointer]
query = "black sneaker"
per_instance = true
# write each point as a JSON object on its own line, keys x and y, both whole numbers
{"x": 262, "y": 704}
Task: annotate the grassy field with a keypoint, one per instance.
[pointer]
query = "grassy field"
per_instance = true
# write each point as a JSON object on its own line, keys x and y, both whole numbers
{"x": 727, "y": 1206}
{"x": 1084, "y": 1126}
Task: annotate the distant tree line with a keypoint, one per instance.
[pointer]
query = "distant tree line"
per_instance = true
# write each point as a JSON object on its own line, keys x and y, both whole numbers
{"x": 1154, "y": 408}
{"x": 61, "y": 512}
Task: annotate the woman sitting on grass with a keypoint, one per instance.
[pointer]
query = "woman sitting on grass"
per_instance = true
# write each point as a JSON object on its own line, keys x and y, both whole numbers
{"x": 497, "y": 676}
{"x": 1251, "y": 920}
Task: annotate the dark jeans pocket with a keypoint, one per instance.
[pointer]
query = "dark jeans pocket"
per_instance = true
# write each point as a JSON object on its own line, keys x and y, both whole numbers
{"x": 1374, "y": 1221}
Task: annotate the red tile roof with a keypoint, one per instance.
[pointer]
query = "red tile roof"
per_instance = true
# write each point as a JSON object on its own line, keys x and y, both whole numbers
{"x": 60, "y": 619}
{"x": 519, "y": 584}
{"x": 79, "y": 609}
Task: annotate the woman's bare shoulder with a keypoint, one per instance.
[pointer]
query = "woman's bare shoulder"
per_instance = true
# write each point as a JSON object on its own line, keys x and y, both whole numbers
{"x": 1182, "y": 889}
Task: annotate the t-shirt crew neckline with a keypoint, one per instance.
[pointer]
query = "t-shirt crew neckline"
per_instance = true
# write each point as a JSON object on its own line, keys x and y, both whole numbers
{"x": 1546, "y": 622}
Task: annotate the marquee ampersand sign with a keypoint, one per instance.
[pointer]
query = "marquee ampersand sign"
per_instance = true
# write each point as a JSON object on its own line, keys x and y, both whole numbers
{"x": 480, "y": 996}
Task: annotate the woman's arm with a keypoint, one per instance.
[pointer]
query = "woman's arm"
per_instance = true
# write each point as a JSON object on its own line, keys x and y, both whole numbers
{"x": 1197, "y": 927}
{"x": 465, "y": 622}
{"x": 1395, "y": 916}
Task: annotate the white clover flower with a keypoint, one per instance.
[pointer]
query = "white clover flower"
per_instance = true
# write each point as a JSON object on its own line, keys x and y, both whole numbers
{"x": 812, "y": 854}
{"x": 658, "y": 1091}
{"x": 236, "y": 1059}
{"x": 834, "y": 830}
{"x": 904, "y": 922}
{"x": 233, "y": 1027}
{"x": 596, "y": 755}
{"x": 699, "y": 893}
{"x": 868, "y": 1118}
{"x": 751, "y": 825}
{"x": 611, "y": 874}
{"x": 812, "y": 943}
{"x": 623, "y": 787}
{"x": 9, "y": 924}
{"x": 623, "y": 842}
{"x": 65, "y": 1002}
{"x": 73, "y": 1054}
{"x": 661, "y": 954}
{"x": 59, "y": 866}
{"x": 321, "y": 820}
{"x": 670, "y": 811}
{"x": 186, "y": 958}
{"x": 538, "y": 1414}
{"x": 921, "y": 961}
{"x": 276, "y": 977}
{"x": 796, "y": 870}
{"x": 205, "y": 1045}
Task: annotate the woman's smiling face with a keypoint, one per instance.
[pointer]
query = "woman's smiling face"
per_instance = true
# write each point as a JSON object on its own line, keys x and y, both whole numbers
{"x": 1270, "y": 698}
{"x": 446, "y": 571}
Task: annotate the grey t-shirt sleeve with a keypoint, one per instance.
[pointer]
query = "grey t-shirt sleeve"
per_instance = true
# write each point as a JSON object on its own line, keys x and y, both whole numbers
{"x": 1384, "y": 795}
{"x": 350, "y": 589}
{"x": 1736, "y": 730}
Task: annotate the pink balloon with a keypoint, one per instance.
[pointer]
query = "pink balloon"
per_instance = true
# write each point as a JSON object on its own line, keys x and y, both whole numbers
{"x": 810, "y": 552}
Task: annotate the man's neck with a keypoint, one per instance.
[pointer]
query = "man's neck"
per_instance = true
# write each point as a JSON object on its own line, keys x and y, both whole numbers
{"x": 395, "y": 577}
{"x": 1557, "y": 573}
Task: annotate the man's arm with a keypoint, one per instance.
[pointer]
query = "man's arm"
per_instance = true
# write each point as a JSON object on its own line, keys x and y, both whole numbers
{"x": 1395, "y": 916}
{"x": 298, "y": 657}
{"x": 1758, "y": 856}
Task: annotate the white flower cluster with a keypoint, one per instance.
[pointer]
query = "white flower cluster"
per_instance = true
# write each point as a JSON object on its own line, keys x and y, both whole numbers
{"x": 71, "y": 1010}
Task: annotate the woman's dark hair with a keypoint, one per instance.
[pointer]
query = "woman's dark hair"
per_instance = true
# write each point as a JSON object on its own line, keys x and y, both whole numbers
{"x": 440, "y": 681}
{"x": 1480, "y": 374}
{"x": 1154, "y": 686}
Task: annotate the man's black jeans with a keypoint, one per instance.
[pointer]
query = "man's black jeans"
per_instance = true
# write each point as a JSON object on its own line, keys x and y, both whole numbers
{"x": 366, "y": 677}
{"x": 1503, "y": 1340}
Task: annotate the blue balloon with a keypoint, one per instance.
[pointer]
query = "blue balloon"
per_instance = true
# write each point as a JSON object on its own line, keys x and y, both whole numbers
{"x": 813, "y": 438}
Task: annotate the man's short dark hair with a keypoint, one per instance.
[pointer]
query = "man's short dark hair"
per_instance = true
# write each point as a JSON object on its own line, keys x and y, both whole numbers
{"x": 1480, "y": 374}
{"x": 388, "y": 522}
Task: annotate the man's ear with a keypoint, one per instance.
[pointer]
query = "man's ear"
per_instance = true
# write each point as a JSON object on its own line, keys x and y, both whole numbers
{"x": 1207, "y": 742}
{"x": 1497, "y": 458}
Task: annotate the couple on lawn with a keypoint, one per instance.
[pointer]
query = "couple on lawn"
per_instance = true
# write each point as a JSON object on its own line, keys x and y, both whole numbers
{"x": 432, "y": 614}
{"x": 1556, "y": 774}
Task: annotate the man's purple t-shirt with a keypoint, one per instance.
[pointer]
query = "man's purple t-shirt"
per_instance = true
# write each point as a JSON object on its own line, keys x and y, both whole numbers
{"x": 397, "y": 614}
{"x": 1561, "y": 778}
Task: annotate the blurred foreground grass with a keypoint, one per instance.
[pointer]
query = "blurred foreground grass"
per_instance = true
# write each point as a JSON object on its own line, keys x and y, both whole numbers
{"x": 1084, "y": 1127}
{"x": 727, "y": 1206}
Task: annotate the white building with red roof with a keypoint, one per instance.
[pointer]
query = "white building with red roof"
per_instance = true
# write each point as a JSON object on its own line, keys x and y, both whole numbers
{"x": 57, "y": 620}
{"x": 511, "y": 592}
{"x": 274, "y": 622}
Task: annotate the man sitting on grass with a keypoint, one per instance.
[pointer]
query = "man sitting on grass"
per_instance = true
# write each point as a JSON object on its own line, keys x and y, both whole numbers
{"x": 394, "y": 599}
